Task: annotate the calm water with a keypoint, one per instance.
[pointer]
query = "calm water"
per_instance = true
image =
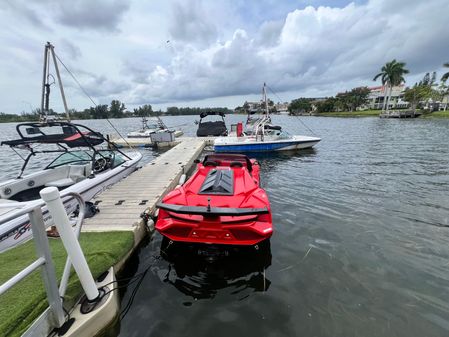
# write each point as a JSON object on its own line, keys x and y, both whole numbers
{"x": 360, "y": 245}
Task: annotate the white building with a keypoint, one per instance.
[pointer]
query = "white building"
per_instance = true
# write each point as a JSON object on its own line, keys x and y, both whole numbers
{"x": 282, "y": 108}
{"x": 378, "y": 95}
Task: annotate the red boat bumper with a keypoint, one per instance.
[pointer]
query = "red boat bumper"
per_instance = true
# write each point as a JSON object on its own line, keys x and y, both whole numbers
{"x": 216, "y": 226}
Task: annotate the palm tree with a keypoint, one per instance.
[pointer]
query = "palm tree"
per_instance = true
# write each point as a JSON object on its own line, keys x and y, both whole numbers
{"x": 445, "y": 76}
{"x": 392, "y": 74}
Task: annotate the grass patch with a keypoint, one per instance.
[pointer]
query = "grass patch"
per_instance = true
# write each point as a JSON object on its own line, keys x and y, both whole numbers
{"x": 437, "y": 114}
{"x": 365, "y": 113}
{"x": 22, "y": 304}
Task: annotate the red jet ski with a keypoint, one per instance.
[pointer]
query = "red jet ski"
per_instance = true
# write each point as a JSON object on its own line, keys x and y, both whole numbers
{"x": 222, "y": 203}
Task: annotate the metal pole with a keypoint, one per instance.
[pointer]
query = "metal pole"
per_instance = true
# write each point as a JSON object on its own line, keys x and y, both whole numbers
{"x": 56, "y": 208}
{"x": 48, "y": 269}
{"x": 44, "y": 77}
{"x": 60, "y": 82}
{"x": 79, "y": 223}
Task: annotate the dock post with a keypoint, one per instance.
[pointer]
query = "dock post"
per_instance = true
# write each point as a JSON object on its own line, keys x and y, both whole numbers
{"x": 56, "y": 208}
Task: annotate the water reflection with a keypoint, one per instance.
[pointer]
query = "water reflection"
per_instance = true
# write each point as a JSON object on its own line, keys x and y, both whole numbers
{"x": 200, "y": 271}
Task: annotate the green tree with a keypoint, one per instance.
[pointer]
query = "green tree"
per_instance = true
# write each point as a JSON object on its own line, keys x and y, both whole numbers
{"x": 172, "y": 110}
{"x": 300, "y": 105}
{"x": 99, "y": 111}
{"x": 424, "y": 90}
{"x": 446, "y": 75}
{"x": 358, "y": 97}
{"x": 415, "y": 95}
{"x": 428, "y": 80}
{"x": 392, "y": 74}
{"x": 117, "y": 109}
{"x": 343, "y": 101}
{"x": 143, "y": 111}
{"x": 328, "y": 105}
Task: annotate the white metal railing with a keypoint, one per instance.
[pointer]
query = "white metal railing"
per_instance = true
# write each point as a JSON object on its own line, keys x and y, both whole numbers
{"x": 44, "y": 259}
{"x": 45, "y": 262}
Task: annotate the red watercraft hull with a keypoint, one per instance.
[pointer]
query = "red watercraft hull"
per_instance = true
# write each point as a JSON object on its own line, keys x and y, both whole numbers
{"x": 222, "y": 203}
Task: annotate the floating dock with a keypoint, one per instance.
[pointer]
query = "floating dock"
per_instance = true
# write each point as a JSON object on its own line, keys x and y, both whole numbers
{"x": 400, "y": 114}
{"x": 144, "y": 141}
{"x": 121, "y": 205}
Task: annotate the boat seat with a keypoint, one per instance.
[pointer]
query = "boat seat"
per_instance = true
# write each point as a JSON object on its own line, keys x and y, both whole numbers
{"x": 236, "y": 164}
{"x": 75, "y": 175}
{"x": 210, "y": 163}
{"x": 61, "y": 183}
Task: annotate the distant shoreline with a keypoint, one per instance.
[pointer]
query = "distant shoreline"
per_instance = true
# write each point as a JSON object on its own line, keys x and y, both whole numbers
{"x": 341, "y": 114}
{"x": 375, "y": 113}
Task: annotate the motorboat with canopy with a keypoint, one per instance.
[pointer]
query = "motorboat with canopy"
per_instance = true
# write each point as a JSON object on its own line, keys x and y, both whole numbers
{"x": 260, "y": 135}
{"x": 152, "y": 126}
{"x": 212, "y": 128}
{"x": 79, "y": 160}
{"x": 80, "y": 166}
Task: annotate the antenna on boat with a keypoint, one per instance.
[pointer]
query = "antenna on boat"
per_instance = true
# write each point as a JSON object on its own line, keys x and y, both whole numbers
{"x": 49, "y": 50}
{"x": 264, "y": 93}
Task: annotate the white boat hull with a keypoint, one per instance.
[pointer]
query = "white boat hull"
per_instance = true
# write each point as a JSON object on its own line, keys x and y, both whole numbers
{"x": 18, "y": 230}
{"x": 250, "y": 144}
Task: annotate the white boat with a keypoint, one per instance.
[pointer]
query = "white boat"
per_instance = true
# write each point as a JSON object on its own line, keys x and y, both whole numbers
{"x": 269, "y": 143}
{"x": 152, "y": 126}
{"x": 82, "y": 166}
{"x": 85, "y": 169}
{"x": 262, "y": 136}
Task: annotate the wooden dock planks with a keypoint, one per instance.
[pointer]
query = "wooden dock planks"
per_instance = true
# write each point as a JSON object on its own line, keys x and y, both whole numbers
{"x": 122, "y": 204}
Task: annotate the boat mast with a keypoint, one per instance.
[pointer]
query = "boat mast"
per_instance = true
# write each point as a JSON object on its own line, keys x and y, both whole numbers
{"x": 44, "y": 81}
{"x": 265, "y": 98}
{"x": 49, "y": 49}
{"x": 61, "y": 88}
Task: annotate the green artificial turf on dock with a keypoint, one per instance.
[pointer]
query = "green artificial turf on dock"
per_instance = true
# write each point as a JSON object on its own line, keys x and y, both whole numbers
{"x": 22, "y": 304}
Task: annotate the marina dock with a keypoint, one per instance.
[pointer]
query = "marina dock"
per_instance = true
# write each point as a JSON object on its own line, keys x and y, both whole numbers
{"x": 144, "y": 141}
{"x": 121, "y": 205}
{"x": 400, "y": 114}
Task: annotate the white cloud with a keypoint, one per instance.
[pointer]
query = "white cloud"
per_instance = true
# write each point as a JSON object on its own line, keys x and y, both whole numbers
{"x": 329, "y": 49}
{"x": 179, "y": 51}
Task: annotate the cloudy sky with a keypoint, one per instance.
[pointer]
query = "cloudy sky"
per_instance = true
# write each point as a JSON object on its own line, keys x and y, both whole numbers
{"x": 213, "y": 53}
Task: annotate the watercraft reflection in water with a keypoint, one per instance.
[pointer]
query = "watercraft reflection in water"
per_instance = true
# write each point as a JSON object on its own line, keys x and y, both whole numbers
{"x": 201, "y": 271}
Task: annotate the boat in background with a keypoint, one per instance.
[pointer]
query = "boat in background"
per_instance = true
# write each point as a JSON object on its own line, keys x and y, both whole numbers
{"x": 222, "y": 203}
{"x": 260, "y": 135}
{"x": 212, "y": 128}
{"x": 151, "y": 126}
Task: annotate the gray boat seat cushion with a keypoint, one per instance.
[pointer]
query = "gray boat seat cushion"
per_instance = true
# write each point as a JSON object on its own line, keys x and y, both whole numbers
{"x": 61, "y": 183}
{"x": 77, "y": 172}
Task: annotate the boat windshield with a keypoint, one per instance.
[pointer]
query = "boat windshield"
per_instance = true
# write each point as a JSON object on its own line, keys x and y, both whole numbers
{"x": 72, "y": 157}
{"x": 284, "y": 135}
{"x": 152, "y": 126}
{"x": 84, "y": 157}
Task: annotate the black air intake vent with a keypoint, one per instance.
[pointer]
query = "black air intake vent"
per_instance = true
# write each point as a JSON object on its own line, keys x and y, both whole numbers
{"x": 220, "y": 182}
